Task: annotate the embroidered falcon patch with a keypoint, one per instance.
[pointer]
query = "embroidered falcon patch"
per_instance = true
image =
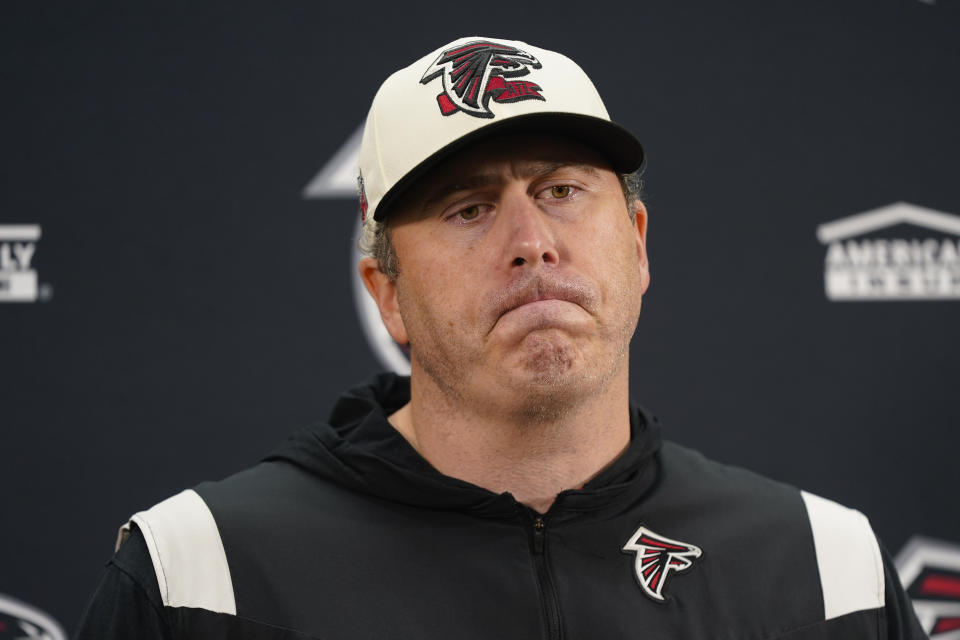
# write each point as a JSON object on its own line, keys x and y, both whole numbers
{"x": 478, "y": 71}
{"x": 656, "y": 558}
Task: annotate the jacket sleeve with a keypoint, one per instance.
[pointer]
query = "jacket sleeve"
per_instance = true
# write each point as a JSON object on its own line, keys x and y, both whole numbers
{"x": 127, "y": 600}
{"x": 902, "y": 623}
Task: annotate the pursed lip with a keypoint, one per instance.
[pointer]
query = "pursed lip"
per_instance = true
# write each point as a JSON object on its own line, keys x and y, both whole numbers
{"x": 538, "y": 289}
{"x": 537, "y": 298}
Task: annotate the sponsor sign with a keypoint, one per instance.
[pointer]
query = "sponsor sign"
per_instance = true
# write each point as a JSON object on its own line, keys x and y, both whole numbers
{"x": 870, "y": 257}
{"x": 18, "y": 278}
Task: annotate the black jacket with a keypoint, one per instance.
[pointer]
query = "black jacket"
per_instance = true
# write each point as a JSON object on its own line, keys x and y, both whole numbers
{"x": 346, "y": 532}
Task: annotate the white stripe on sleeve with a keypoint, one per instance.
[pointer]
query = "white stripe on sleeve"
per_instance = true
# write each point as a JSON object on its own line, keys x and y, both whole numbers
{"x": 187, "y": 553}
{"x": 848, "y": 557}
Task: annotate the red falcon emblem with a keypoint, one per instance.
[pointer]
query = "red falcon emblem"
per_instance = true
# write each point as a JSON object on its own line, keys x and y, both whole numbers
{"x": 476, "y": 72}
{"x": 657, "y": 557}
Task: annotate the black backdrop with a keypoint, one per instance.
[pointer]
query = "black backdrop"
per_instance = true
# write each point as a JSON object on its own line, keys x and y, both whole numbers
{"x": 193, "y": 307}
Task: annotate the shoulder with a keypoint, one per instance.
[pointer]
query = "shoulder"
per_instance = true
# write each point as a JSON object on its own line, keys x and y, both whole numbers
{"x": 715, "y": 492}
{"x": 185, "y": 547}
{"x": 212, "y": 542}
{"x": 778, "y": 526}
{"x": 687, "y": 467}
{"x": 848, "y": 556}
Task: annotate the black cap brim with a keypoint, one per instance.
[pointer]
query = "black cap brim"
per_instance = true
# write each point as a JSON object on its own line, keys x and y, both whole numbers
{"x": 619, "y": 146}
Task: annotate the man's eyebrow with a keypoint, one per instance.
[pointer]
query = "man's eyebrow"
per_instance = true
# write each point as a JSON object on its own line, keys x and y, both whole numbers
{"x": 538, "y": 169}
{"x": 531, "y": 170}
{"x": 471, "y": 182}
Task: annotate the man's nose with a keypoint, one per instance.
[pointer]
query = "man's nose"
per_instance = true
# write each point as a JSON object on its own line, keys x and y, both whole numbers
{"x": 531, "y": 239}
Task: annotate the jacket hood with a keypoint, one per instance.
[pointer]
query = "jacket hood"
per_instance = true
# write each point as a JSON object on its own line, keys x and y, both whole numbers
{"x": 359, "y": 449}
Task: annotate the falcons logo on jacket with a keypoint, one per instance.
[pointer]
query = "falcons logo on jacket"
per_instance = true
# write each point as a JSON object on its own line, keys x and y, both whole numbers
{"x": 478, "y": 71}
{"x": 657, "y": 557}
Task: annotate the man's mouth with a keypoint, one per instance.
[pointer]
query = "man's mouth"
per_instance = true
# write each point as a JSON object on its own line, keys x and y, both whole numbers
{"x": 540, "y": 289}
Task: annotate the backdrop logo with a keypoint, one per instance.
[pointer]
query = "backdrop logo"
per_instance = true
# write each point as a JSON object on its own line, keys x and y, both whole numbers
{"x": 930, "y": 573}
{"x": 871, "y": 257}
{"x": 338, "y": 180}
{"x": 18, "y": 278}
{"x": 477, "y": 71}
{"x": 20, "y": 621}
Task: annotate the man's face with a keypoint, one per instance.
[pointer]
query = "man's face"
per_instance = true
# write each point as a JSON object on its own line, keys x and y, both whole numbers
{"x": 521, "y": 274}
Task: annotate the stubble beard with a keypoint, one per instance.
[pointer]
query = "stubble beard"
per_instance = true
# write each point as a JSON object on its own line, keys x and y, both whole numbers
{"x": 545, "y": 380}
{"x": 547, "y": 376}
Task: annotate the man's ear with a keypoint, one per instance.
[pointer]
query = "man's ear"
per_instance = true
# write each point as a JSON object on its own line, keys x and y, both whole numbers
{"x": 384, "y": 292}
{"x": 640, "y": 224}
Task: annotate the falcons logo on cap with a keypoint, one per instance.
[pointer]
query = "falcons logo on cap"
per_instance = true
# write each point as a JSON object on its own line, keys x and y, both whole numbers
{"x": 658, "y": 557}
{"x": 477, "y": 71}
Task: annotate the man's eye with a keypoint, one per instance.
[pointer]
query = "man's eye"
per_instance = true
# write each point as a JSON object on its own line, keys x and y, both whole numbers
{"x": 469, "y": 213}
{"x": 560, "y": 190}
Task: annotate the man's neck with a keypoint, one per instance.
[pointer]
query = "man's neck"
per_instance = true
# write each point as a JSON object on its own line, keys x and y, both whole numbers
{"x": 533, "y": 461}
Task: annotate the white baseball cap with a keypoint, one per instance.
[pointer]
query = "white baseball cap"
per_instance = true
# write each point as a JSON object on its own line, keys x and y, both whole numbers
{"x": 468, "y": 89}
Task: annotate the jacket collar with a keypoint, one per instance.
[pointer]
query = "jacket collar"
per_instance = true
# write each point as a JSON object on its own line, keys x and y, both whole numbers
{"x": 358, "y": 448}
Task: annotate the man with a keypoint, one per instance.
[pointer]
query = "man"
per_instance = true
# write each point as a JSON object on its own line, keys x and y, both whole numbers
{"x": 508, "y": 489}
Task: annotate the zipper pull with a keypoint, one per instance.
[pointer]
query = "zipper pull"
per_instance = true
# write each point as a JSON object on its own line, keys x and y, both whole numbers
{"x": 539, "y": 533}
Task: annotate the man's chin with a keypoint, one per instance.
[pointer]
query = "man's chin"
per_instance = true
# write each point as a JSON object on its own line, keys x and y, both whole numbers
{"x": 544, "y": 396}
{"x": 545, "y": 378}
{"x": 545, "y": 357}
